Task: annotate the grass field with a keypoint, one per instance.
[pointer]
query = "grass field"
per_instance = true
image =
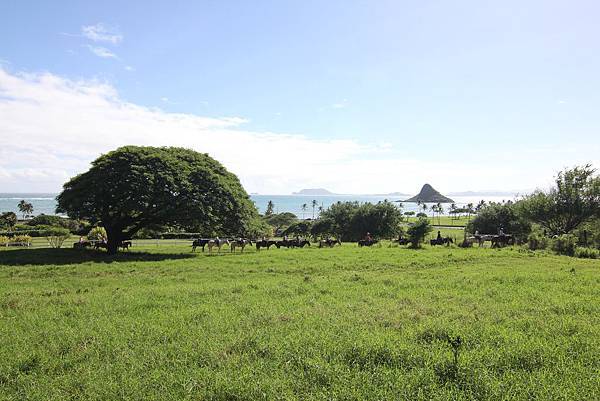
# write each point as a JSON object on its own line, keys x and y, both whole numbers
{"x": 343, "y": 323}
{"x": 449, "y": 221}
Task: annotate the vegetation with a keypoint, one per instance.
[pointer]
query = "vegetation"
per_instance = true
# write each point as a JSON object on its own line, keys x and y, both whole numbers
{"x": 26, "y": 208}
{"x": 495, "y": 216}
{"x": 8, "y": 220}
{"x": 56, "y": 236}
{"x": 341, "y": 323}
{"x": 136, "y": 187}
{"x": 270, "y": 208}
{"x": 573, "y": 201}
{"x": 350, "y": 221}
{"x": 417, "y": 232}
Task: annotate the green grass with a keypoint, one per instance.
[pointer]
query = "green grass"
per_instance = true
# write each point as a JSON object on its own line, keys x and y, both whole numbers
{"x": 343, "y": 323}
{"x": 449, "y": 221}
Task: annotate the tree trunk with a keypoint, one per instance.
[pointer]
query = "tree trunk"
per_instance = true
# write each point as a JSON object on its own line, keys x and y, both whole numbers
{"x": 113, "y": 241}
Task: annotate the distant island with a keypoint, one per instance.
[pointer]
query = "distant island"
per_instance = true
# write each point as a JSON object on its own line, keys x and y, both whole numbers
{"x": 429, "y": 195}
{"x": 314, "y": 191}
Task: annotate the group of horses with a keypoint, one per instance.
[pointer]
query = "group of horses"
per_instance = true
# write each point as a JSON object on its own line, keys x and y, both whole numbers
{"x": 241, "y": 243}
{"x": 497, "y": 241}
{"x": 84, "y": 244}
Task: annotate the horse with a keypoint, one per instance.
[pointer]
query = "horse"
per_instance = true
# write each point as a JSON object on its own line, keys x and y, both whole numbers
{"x": 285, "y": 242}
{"x": 441, "y": 241}
{"x": 200, "y": 242}
{"x": 264, "y": 243}
{"x": 241, "y": 243}
{"x": 301, "y": 243}
{"x": 400, "y": 241}
{"x": 217, "y": 242}
{"x": 82, "y": 244}
{"x": 101, "y": 244}
{"x": 367, "y": 242}
{"x": 500, "y": 241}
{"x": 125, "y": 244}
{"x": 329, "y": 242}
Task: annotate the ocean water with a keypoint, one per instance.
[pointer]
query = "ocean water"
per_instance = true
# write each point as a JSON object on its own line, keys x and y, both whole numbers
{"x": 46, "y": 203}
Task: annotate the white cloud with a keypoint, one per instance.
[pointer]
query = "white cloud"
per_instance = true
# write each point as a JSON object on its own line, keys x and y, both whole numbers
{"x": 53, "y": 127}
{"x": 102, "y": 52}
{"x": 102, "y": 33}
{"x": 129, "y": 68}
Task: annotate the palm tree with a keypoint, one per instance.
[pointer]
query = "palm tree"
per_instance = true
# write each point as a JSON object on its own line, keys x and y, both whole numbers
{"x": 25, "y": 208}
{"x": 270, "y": 208}
{"x": 480, "y": 206}
{"x": 424, "y": 207}
{"x": 469, "y": 211}
{"x": 314, "y": 204}
{"x": 440, "y": 210}
{"x": 453, "y": 211}
{"x": 304, "y": 207}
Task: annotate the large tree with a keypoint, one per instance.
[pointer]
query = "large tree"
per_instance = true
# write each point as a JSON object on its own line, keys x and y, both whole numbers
{"x": 135, "y": 187}
{"x": 573, "y": 201}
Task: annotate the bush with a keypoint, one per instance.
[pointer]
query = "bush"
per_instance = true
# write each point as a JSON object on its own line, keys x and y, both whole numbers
{"x": 20, "y": 239}
{"x": 352, "y": 220}
{"x": 4, "y": 240}
{"x": 587, "y": 253}
{"x": 55, "y": 221}
{"x": 97, "y": 234}
{"x": 56, "y": 236}
{"x": 301, "y": 228}
{"x": 258, "y": 228}
{"x": 537, "y": 241}
{"x": 7, "y": 220}
{"x": 494, "y": 216}
{"x": 417, "y": 231}
{"x": 564, "y": 244}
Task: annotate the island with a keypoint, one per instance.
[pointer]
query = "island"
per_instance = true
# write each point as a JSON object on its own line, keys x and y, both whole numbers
{"x": 313, "y": 191}
{"x": 429, "y": 195}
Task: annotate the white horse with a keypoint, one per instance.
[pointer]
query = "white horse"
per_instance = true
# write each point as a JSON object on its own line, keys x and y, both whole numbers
{"x": 218, "y": 243}
{"x": 239, "y": 243}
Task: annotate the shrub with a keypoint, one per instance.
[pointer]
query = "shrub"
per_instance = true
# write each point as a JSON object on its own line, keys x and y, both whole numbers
{"x": 21, "y": 239}
{"x": 4, "y": 240}
{"x": 258, "y": 228}
{"x": 8, "y": 219}
{"x": 417, "y": 231}
{"x": 494, "y": 216}
{"x": 97, "y": 234}
{"x": 564, "y": 244}
{"x": 537, "y": 241}
{"x": 587, "y": 253}
{"x": 56, "y": 236}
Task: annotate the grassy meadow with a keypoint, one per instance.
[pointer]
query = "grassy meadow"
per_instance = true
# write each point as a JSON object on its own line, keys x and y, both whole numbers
{"x": 348, "y": 323}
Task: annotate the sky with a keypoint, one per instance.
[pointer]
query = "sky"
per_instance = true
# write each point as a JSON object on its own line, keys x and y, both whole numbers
{"x": 352, "y": 96}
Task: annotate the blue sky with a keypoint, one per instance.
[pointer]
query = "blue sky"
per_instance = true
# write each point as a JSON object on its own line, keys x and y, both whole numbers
{"x": 409, "y": 92}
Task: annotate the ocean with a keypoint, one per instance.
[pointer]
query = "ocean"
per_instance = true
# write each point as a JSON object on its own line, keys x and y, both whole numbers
{"x": 46, "y": 203}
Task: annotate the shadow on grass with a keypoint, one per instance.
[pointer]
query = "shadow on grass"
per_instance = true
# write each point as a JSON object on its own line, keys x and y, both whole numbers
{"x": 67, "y": 256}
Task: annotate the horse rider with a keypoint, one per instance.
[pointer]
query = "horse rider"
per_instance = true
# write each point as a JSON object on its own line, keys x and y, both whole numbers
{"x": 439, "y": 236}
{"x": 368, "y": 237}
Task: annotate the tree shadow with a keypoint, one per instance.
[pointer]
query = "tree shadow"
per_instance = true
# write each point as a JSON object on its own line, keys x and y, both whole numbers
{"x": 68, "y": 256}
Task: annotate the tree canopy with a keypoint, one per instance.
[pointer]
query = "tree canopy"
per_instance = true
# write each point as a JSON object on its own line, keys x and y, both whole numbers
{"x": 494, "y": 216}
{"x": 574, "y": 200}
{"x": 350, "y": 221}
{"x": 135, "y": 187}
